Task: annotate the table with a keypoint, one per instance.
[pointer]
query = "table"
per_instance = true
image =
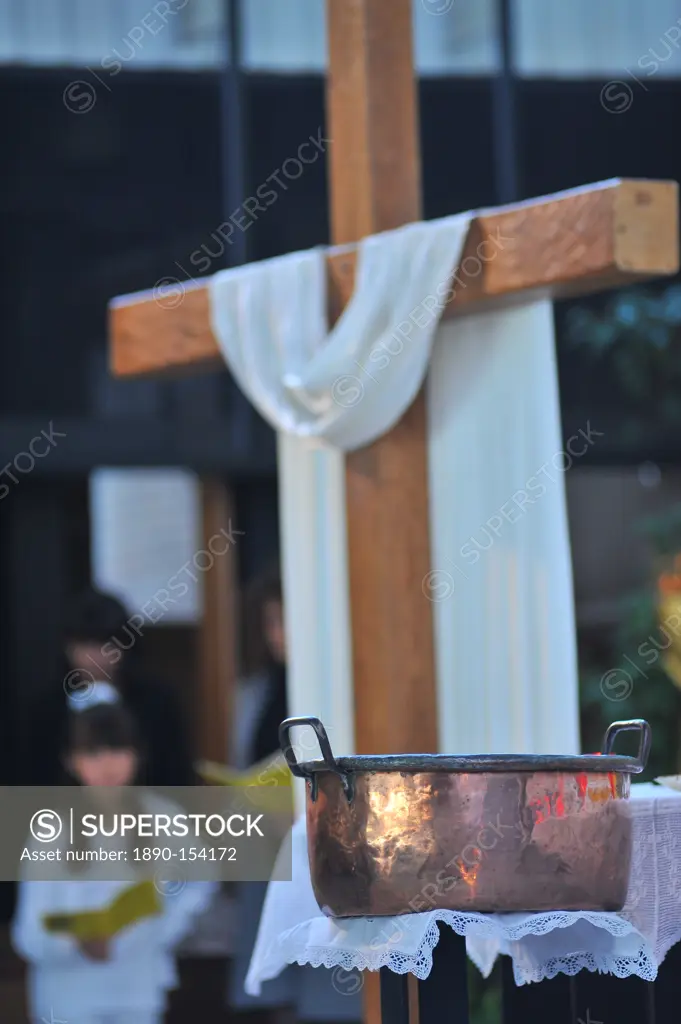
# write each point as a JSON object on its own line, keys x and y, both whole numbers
{"x": 585, "y": 998}
{"x": 642, "y": 945}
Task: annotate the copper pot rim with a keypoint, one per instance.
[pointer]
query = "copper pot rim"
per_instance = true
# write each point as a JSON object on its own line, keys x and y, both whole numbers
{"x": 416, "y": 764}
{"x": 347, "y": 767}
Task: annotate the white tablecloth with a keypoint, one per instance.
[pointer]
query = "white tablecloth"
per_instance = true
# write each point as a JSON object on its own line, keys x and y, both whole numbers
{"x": 293, "y": 930}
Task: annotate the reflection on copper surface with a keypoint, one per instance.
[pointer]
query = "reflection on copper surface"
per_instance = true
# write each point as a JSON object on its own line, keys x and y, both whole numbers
{"x": 470, "y": 875}
{"x": 393, "y": 823}
{"x": 503, "y": 842}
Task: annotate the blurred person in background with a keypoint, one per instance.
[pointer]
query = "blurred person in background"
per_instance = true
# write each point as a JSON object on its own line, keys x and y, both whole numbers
{"x": 99, "y": 641}
{"x": 118, "y": 975}
{"x": 260, "y": 707}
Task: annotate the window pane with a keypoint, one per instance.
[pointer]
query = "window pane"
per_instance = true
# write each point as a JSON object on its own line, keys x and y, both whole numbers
{"x": 288, "y": 37}
{"x": 449, "y": 37}
{"x": 455, "y": 37}
{"x": 587, "y": 39}
{"x": 134, "y": 34}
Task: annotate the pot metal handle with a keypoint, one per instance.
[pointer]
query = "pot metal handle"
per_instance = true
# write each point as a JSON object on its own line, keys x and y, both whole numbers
{"x": 328, "y": 760}
{"x": 632, "y": 725}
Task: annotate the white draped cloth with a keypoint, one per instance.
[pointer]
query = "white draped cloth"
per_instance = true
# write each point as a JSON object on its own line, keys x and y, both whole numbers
{"x": 634, "y": 942}
{"x": 346, "y": 386}
{"x": 500, "y": 579}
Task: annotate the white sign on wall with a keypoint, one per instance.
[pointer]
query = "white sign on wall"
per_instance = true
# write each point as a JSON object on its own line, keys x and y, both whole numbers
{"x": 145, "y": 534}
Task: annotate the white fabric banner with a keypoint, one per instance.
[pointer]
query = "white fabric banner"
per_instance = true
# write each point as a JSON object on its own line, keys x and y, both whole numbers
{"x": 501, "y": 581}
{"x": 314, "y": 566}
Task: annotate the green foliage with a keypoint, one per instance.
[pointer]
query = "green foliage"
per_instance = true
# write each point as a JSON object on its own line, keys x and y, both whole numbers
{"x": 635, "y": 684}
{"x": 484, "y": 996}
{"x": 640, "y": 320}
{"x": 654, "y": 698}
{"x": 632, "y": 340}
{"x": 664, "y": 531}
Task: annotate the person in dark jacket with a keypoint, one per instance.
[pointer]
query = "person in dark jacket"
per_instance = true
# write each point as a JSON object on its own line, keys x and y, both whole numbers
{"x": 99, "y": 638}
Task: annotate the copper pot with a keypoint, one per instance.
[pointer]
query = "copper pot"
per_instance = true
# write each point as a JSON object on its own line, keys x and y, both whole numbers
{"x": 403, "y": 833}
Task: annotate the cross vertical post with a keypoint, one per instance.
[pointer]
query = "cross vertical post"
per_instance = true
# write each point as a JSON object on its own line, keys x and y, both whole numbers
{"x": 376, "y": 186}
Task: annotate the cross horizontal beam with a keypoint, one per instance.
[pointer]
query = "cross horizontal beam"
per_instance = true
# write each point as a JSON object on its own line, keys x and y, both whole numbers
{"x": 588, "y": 239}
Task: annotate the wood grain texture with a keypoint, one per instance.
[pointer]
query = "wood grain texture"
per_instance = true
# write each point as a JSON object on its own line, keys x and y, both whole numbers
{"x": 572, "y": 243}
{"x": 375, "y": 186}
{"x": 218, "y": 627}
{"x": 162, "y": 331}
{"x": 371, "y": 107}
{"x": 600, "y": 236}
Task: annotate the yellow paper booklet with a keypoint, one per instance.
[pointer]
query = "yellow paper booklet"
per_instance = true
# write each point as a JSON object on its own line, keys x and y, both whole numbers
{"x": 273, "y": 771}
{"x": 133, "y": 904}
{"x": 271, "y": 779}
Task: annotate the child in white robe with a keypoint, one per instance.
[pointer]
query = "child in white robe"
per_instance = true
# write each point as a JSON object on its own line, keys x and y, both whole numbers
{"x": 124, "y": 980}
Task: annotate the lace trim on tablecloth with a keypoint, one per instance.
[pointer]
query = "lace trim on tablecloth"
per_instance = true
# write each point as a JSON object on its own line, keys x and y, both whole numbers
{"x": 642, "y": 965}
{"x": 481, "y": 926}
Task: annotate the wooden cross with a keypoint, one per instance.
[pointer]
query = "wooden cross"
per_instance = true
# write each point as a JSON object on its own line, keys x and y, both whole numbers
{"x": 592, "y": 238}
